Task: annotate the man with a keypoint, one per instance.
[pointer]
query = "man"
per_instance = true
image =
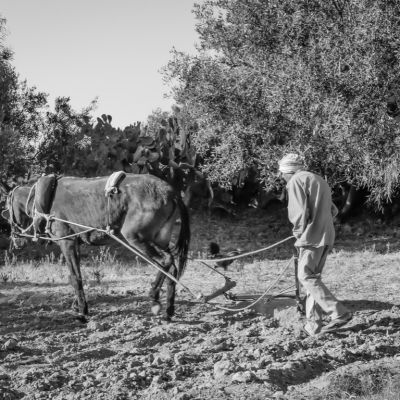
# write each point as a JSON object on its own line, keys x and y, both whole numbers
{"x": 311, "y": 211}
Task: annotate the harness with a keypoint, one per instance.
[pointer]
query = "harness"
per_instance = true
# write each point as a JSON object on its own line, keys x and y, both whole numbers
{"x": 112, "y": 188}
{"x": 16, "y": 229}
{"x": 40, "y": 209}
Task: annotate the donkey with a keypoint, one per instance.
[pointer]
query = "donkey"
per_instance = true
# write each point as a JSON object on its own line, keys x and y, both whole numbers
{"x": 141, "y": 212}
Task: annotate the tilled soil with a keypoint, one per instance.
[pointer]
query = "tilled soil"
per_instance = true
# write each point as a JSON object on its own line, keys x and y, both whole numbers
{"x": 124, "y": 352}
{"x": 258, "y": 352}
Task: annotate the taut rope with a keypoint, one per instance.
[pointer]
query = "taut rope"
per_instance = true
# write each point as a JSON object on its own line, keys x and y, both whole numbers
{"x": 263, "y": 295}
{"x": 204, "y": 260}
{"x": 156, "y": 265}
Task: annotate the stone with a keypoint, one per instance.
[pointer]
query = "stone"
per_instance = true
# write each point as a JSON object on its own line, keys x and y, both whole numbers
{"x": 10, "y": 344}
{"x": 244, "y": 377}
{"x": 157, "y": 361}
{"x": 157, "y": 380}
{"x": 96, "y": 326}
{"x": 4, "y": 377}
{"x": 222, "y": 368}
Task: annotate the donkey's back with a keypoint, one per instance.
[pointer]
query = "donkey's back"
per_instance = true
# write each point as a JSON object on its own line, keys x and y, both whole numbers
{"x": 138, "y": 201}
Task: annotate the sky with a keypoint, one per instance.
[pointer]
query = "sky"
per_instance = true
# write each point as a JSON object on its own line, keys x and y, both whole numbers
{"x": 112, "y": 50}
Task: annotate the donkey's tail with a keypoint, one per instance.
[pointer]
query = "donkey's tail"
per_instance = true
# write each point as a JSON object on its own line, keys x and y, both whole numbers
{"x": 182, "y": 245}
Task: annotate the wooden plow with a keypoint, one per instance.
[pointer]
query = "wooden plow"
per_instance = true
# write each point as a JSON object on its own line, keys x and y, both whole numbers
{"x": 254, "y": 298}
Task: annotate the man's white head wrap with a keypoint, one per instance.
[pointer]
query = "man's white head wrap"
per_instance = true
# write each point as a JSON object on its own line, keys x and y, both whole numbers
{"x": 290, "y": 163}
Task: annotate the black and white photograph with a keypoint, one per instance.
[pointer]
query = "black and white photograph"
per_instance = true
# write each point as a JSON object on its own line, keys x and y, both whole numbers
{"x": 200, "y": 200}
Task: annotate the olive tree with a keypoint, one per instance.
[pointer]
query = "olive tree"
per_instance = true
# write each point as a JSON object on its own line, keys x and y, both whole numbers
{"x": 320, "y": 77}
{"x": 21, "y": 117}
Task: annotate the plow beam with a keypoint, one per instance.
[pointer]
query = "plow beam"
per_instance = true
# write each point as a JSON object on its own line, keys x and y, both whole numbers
{"x": 229, "y": 284}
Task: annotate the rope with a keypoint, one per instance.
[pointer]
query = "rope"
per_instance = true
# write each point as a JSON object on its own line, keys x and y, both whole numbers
{"x": 76, "y": 224}
{"x": 10, "y": 209}
{"x": 27, "y": 202}
{"x": 212, "y": 269}
{"x": 243, "y": 254}
{"x": 156, "y": 265}
{"x": 26, "y": 229}
{"x": 261, "y": 297}
{"x": 249, "y": 297}
{"x": 22, "y": 234}
{"x": 134, "y": 250}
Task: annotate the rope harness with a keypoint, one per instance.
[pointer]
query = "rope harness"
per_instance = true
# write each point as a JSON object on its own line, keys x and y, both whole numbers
{"x": 18, "y": 231}
{"x": 13, "y": 224}
{"x": 229, "y": 284}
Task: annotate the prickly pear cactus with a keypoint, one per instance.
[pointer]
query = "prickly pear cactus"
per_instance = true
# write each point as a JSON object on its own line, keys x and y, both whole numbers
{"x": 165, "y": 153}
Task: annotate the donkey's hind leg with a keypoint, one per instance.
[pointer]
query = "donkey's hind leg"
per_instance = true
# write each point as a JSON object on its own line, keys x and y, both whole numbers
{"x": 71, "y": 254}
{"x": 171, "y": 286}
{"x": 154, "y": 292}
{"x": 164, "y": 259}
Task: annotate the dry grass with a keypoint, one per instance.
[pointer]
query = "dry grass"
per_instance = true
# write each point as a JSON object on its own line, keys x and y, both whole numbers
{"x": 366, "y": 275}
{"x": 101, "y": 266}
{"x": 49, "y": 269}
{"x": 372, "y": 385}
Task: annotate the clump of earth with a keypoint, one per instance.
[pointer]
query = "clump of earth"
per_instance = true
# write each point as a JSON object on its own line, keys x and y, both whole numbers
{"x": 229, "y": 349}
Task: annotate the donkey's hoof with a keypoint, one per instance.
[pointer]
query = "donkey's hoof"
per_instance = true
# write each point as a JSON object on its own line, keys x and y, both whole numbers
{"x": 155, "y": 308}
{"x": 166, "y": 319}
{"x": 78, "y": 310}
{"x": 74, "y": 306}
{"x": 75, "y": 309}
{"x": 81, "y": 318}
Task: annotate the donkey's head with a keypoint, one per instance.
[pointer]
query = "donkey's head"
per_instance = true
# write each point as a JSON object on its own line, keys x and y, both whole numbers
{"x": 16, "y": 214}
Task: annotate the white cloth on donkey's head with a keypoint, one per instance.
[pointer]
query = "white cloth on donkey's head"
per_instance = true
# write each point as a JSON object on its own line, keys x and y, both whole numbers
{"x": 290, "y": 163}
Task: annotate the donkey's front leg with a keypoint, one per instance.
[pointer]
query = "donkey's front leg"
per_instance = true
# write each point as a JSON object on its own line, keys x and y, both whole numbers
{"x": 154, "y": 293}
{"x": 71, "y": 254}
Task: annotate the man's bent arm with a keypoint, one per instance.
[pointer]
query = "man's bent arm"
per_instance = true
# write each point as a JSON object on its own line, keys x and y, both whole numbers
{"x": 297, "y": 208}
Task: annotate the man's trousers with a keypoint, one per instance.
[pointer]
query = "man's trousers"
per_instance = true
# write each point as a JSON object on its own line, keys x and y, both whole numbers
{"x": 319, "y": 299}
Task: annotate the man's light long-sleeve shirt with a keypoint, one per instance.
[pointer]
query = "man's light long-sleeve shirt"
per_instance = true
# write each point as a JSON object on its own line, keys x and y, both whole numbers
{"x": 310, "y": 210}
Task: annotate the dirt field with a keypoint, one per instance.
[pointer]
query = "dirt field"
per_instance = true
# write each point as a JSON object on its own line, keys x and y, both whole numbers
{"x": 124, "y": 352}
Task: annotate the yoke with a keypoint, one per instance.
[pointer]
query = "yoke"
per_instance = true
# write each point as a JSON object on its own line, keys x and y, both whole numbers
{"x": 113, "y": 182}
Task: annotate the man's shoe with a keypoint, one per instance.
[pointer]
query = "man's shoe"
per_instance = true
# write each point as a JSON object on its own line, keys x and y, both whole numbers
{"x": 337, "y": 322}
{"x": 309, "y": 331}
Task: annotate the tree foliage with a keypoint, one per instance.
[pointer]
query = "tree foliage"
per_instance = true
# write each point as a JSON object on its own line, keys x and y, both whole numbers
{"x": 314, "y": 76}
{"x": 62, "y": 142}
{"x": 21, "y": 109}
{"x": 35, "y": 139}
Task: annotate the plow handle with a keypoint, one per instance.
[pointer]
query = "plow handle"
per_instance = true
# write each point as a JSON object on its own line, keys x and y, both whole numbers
{"x": 300, "y": 304}
{"x": 296, "y": 268}
{"x": 228, "y": 286}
